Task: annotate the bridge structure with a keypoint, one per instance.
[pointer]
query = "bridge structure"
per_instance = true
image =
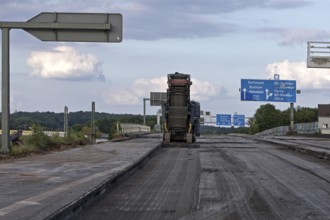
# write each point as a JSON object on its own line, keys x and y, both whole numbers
{"x": 130, "y": 128}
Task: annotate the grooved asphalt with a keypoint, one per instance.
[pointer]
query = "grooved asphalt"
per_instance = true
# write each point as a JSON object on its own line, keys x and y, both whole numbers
{"x": 36, "y": 186}
{"x": 317, "y": 146}
{"x": 226, "y": 177}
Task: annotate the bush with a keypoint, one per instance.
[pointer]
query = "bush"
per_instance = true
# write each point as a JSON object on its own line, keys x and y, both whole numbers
{"x": 21, "y": 150}
{"x": 75, "y": 138}
{"x": 39, "y": 141}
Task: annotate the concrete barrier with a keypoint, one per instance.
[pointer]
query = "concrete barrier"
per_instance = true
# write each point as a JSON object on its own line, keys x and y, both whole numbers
{"x": 301, "y": 128}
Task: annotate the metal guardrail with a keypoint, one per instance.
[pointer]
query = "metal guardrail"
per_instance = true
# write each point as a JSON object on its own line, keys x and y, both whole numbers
{"x": 301, "y": 128}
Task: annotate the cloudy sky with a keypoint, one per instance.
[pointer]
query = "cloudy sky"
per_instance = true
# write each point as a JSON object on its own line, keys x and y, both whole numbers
{"x": 218, "y": 42}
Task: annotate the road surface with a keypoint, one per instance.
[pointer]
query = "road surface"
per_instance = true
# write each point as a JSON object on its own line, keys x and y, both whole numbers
{"x": 227, "y": 177}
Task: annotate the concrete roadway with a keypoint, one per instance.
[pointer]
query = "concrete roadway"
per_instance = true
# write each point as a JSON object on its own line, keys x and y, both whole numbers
{"x": 228, "y": 177}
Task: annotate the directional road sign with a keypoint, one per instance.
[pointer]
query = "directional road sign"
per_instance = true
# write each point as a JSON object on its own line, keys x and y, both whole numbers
{"x": 224, "y": 119}
{"x": 95, "y": 27}
{"x": 239, "y": 120}
{"x": 78, "y": 27}
{"x": 268, "y": 90}
{"x": 318, "y": 54}
{"x": 156, "y": 98}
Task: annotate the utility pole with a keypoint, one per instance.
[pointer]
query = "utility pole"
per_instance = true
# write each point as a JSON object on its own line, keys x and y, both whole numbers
{"x": 93, "y": 134}
{"x": 66, "y": 123}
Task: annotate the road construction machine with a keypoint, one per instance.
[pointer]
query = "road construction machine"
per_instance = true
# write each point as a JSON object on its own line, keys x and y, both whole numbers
{"x": 181, "y": 116}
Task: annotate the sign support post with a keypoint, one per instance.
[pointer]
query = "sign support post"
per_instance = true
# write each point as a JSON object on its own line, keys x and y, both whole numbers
{"x": 156, "y": 99}
{"x": 291, "y": 117}
{"x": 144, "y": 110}
{"x": 5, "y": 92}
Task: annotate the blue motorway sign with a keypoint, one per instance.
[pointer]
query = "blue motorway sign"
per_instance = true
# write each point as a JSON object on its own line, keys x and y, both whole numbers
{"x": 268, "y": 90}
{"x": 239, "y": 120}
{"x": 224, "y": 119}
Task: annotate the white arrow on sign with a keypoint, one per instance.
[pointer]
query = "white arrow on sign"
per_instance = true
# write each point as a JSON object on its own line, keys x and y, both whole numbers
{"x": 244, "y": 92}
{"x": 268, "y": 94}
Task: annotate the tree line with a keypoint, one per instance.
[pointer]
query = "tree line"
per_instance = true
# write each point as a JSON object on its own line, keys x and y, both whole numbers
{"x": 267, "y": 117}
{"x": 105, "y": 122}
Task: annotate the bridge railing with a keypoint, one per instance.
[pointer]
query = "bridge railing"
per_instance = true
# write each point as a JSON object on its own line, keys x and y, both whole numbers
{"x": 301, "y": 128}
{"x": 128, "y": 128}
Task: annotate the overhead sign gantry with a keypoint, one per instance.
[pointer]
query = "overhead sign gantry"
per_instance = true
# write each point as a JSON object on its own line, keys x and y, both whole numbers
{"x": 48, "y": 26}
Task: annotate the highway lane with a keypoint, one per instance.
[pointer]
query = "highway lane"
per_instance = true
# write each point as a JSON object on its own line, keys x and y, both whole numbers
{"x": 37, "y": 186}
{"x": 227, "y": 177}
{"x": 164, "y": 188}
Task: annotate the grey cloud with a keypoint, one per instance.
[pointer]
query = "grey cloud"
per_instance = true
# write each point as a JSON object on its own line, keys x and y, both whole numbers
{"x": 219, "y": 6}
{"x": 283, "y": 4}
{"x": 203, "y": 7}
{"x": 301, "y": 36}
{"x": 150, "y": 19}
{"x": 291, "y": 37}
{"x": 184, "y": 19}
{"x": 168, "y": 25}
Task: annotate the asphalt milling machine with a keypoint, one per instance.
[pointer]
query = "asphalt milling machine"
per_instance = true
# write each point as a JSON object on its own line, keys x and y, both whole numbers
{"x": 181, "y": 116}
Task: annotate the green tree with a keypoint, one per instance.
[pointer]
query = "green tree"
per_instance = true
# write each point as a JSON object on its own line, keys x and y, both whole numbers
{"x": 286, "y": 117}
{"x": 305, "y": 115}
{"x": 254, "y": 128}
{"x": 267, "y": 116}
{"x": 77, "y": 127}
{"x": 105, "y": 124}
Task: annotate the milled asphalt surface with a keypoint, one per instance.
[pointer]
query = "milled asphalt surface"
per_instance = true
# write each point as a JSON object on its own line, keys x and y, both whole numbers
{"x": 316, "y": 146}
{"x": 37, "y": 186}
{"x": 220, "y": 177}
{"x": 226, "y": 177}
